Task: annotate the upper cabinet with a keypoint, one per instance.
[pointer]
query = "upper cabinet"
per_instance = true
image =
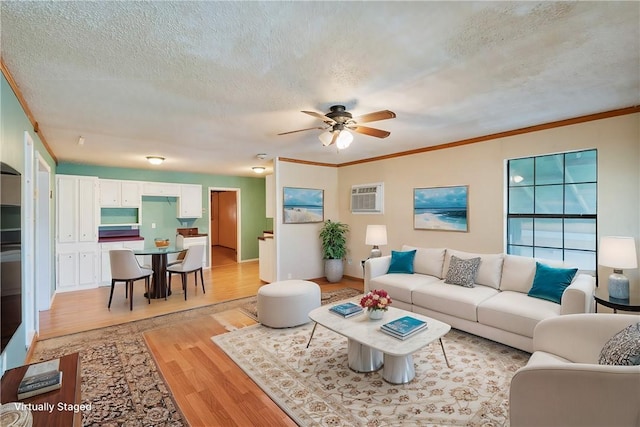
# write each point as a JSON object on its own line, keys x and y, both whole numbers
{"x": 77, "y": 209}
{"x": 160, "y": 189}
{"x": 190, "y": 201}
{"x": 119, "y": 194}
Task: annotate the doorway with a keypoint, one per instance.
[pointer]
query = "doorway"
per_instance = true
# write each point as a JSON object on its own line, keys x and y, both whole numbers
{"x": 224, "y": 218}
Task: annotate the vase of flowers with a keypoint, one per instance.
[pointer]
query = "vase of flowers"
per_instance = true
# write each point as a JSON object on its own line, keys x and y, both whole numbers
{"x": 376, "y": 302}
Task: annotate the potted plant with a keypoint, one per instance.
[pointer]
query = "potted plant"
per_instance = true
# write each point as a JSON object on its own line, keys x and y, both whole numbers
{"x": 334, "y": 248}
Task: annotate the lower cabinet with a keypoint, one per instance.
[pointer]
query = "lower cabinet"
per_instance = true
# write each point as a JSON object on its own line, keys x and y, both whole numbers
{"x": 267, "y": 259}
{"x": 77, "y": 266}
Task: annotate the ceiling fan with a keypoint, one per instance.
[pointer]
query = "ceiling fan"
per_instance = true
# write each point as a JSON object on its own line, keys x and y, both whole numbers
{"x": 338, "y": 120}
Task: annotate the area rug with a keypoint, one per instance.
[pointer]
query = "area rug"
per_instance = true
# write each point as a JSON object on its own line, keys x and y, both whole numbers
{"x": 250, "y": 306}
{"x": 316, "y": 387}
{"x": 120, "y": 380}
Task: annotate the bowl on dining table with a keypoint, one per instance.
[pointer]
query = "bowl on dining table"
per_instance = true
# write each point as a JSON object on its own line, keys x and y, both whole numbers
{"x": 161, "y": 243}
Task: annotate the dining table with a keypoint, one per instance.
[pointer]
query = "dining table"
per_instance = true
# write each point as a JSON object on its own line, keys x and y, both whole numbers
{"x": 159, "y": 266}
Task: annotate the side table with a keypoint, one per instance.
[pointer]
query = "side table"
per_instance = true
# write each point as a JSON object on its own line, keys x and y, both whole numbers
{"x": 59, "y": 408}
{"x": 602, "y": 297}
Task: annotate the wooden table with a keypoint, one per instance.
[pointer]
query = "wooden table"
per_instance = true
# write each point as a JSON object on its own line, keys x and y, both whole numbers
{"x": 159, "y": 266}
{"x": 58, "y": 408}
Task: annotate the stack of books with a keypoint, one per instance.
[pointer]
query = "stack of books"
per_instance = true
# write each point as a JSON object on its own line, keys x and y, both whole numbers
{"x": 40, "y": 378}
{"x": 403, "y": 327}
{"x": 347, "y": 309}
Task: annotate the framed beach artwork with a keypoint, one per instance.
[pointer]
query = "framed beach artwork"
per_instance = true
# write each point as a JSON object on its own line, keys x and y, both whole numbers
{"x": 303, "y": 205}
{"x": 441, "y": 208}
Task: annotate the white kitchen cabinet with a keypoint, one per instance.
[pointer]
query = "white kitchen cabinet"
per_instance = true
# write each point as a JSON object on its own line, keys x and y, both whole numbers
{"x": 77, "y": 232}
{"x": 77, "y": 209}
{"x": 105, "y": 263}
{"x": 119, "y": 194}
{"x": 270, "y": 196}
{"x": 267, "y": 258}
{"x": 160, "y": 189}
{"x": 183, "y": 242}
{"x": 190, "y": 201}
{"x": 77, "y": 266}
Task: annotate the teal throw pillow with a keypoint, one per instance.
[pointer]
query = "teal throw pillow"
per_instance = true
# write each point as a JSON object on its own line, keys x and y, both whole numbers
{"x": 549, "y": 282}
{"x": 402, "y": 262}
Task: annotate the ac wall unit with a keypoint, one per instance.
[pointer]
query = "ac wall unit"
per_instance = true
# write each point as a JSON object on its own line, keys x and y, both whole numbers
{"x": 367, "y": 198}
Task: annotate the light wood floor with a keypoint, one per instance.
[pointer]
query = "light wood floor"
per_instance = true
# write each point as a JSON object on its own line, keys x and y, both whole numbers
{"x": 210, "y": 389}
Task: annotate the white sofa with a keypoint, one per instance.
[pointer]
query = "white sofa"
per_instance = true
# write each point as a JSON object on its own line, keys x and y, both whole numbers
{"x": 497, "y": 308}
{"x": 563, "y": 385}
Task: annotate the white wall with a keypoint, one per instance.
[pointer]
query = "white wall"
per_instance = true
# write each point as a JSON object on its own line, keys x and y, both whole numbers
{"x": 299, "y": 254}
{"x": 481, "y": 166}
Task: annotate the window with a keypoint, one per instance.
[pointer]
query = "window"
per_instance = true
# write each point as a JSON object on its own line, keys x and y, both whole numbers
{"x": 552, "y": 209}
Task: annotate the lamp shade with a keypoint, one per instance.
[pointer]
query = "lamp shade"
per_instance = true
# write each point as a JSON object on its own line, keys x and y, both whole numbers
{"x": 376, "y": 235}
{"x": 618, "y": 252}
{"x": 326, "y": 138}
{"x": 344, "y": 139}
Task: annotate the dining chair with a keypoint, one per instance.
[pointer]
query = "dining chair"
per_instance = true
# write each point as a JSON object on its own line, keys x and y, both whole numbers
{"x": 192, "y": 262}
{"x": 125, "y": 268}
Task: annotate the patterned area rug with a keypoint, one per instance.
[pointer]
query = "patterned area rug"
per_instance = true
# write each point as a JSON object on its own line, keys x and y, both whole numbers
{"x": 316, "y": 387}
{"x": 120, "y": 379}
{"x": 250, "y": 307}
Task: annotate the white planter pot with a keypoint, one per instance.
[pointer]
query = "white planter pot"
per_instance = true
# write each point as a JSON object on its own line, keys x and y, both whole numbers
{"x": 333, "y": 269}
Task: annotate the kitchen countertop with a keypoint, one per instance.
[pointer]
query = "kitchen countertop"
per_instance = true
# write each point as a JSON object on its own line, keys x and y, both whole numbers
{"x": 119, "y": 239}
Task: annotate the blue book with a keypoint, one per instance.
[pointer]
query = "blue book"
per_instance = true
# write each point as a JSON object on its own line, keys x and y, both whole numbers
{"x": 347, "y": 309}
{"x": 404, "y": 326}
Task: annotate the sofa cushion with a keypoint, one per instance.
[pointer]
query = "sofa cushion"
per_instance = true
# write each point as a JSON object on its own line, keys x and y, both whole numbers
{"x": 462, "y": 272}
{"x": 428, "y": 260}
{"x": 518, "y": 272}
{"x": 454, "y": 300}
{"x": 623, "y": 348}
{"x": 400, "y": 286}
{"x": 550, "y": 282}
{"x": 490, "y": 269}
{"x": 516, "y": 312}
{"x": 401, "y": 262}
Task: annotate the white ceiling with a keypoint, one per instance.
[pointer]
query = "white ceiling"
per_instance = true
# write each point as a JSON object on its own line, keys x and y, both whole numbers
{"x": 208, "y": 85}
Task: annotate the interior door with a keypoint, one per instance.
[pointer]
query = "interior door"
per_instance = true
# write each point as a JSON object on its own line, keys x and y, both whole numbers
{"x": 213, "y": 230}
{"x": 227, "y": 219}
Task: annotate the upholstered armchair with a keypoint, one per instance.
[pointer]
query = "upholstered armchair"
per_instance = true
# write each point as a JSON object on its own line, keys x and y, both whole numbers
{"x": 564, "y": 385}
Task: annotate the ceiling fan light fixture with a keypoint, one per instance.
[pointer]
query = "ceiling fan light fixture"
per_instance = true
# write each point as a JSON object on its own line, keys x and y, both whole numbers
{"x": 258, "y": 169}
{"x": 155, "y": 160}
{"x": 326, "y": 138}
{"x": 344, "y": 139}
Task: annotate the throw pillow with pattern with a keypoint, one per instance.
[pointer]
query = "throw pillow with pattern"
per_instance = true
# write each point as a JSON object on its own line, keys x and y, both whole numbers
{"x": 462, "y": 271}
{"x": 623, "y": 348}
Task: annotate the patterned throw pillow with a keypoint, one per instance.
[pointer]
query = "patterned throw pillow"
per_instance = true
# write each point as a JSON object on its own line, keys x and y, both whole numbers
{"x": 623, "y": 348}
{"x": 462, "y": 271}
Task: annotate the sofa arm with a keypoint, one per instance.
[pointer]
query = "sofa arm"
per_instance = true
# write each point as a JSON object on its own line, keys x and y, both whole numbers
{"x": 579, "y": 337}
{"x": 574, "y": 394}
{"x": 578, "y": 297}
{"x": 375, "y": 267}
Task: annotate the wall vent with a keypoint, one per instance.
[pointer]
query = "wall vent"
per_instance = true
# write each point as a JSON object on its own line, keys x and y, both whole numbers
{"x": 367, "y": 198}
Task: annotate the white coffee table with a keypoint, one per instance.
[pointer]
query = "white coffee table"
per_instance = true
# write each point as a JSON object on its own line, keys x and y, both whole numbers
{"x": 369, "y": 349}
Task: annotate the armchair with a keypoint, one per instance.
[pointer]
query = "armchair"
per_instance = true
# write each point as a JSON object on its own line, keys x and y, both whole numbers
{"x": 563, "y": 384}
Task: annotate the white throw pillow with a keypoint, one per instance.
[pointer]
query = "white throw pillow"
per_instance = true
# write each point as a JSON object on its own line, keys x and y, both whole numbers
{"x": 427, "y": 260}
{"x": 490, "y": 269}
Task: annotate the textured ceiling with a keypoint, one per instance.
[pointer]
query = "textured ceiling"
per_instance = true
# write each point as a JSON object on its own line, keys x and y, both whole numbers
{"x": 208, "y": 85}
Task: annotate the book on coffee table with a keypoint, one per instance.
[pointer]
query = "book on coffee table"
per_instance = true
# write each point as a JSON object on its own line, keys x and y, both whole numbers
{"x": 403, "y": 327}
{"x": 40, "y": 378}
{"x": 346, "y": 309}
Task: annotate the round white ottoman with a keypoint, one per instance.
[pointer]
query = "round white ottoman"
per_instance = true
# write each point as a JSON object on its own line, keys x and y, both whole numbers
{"x": 287, "y": 303}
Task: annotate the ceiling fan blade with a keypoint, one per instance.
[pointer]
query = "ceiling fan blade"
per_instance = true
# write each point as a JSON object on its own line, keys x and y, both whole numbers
{"x": 322, "y": 117}
{"x": 335, "y": 137}
{"x": 373, "y": 117}
{"x": 370, "y": 131}
{"x": 301, "y": 130}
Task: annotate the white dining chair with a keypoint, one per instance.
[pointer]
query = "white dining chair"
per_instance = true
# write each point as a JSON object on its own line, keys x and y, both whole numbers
{"x": 125, "y": 268}
{"x": 192, "y": 262}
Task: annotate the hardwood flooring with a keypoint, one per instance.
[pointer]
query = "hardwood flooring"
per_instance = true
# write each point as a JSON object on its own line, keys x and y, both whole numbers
{"x": 210, "y": 389}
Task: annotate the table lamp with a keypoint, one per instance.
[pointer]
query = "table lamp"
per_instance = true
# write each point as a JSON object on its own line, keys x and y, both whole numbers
{"x": 376, "y": 235}
{"x": 618, "y": 253}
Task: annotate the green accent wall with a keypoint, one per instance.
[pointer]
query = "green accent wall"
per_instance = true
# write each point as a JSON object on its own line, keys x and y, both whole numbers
{"x": 162, "y": 210}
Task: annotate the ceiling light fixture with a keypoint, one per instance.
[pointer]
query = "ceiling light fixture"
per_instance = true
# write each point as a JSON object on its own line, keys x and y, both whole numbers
{"x": 258, "y": 169}
{"x": 155, "y": 160}
{"x": 344, "y": 139}
{"x": 326, "y": 138}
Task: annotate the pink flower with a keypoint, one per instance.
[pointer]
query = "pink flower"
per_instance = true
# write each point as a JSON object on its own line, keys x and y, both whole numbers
{"x": 376, "y": 300}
